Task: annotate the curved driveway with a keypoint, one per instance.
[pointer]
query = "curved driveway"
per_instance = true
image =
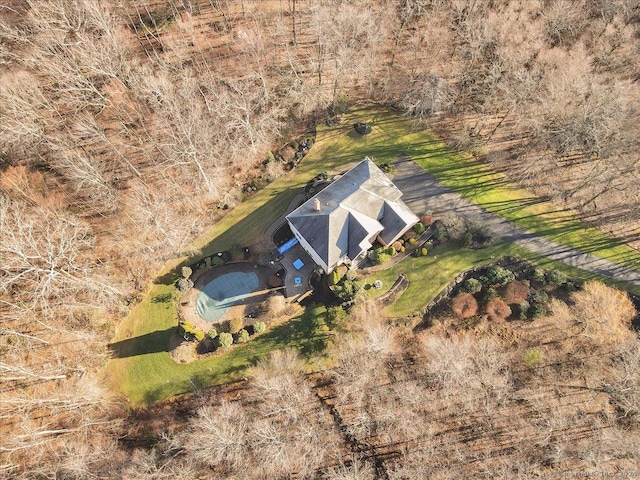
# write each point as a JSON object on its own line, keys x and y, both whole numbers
{"x": 423, "y": 193}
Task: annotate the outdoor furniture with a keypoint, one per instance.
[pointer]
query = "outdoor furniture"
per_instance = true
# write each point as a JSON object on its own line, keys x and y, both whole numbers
{"x": 298, "y": 264}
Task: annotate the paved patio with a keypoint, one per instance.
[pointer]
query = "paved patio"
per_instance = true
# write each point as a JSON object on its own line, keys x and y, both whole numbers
{"x": 293, "y": 288}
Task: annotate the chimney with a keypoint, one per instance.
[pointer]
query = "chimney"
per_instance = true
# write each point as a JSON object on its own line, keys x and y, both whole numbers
{"x": 316, "y": 204}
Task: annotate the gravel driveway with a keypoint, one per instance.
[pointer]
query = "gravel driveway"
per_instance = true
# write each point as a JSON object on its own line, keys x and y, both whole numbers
{"x": 422, "y": 193}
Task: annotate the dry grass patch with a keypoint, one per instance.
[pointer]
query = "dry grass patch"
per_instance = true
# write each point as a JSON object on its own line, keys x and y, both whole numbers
{"x": 604, "y": 313}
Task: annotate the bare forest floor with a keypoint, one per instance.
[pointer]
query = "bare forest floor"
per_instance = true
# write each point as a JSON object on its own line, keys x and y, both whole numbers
{"x": 517, "y": 399}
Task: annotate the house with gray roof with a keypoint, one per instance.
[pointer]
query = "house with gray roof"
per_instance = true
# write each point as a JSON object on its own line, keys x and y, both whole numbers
{"x": 340, "y": 223}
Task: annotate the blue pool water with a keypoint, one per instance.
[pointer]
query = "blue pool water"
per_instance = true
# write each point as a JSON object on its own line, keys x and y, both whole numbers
{"x": 219, "y": 295}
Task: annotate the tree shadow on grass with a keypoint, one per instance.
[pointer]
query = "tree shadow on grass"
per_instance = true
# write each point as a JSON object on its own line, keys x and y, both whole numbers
{"x": 243, "y": 232}
{"x": 152, "y": 342}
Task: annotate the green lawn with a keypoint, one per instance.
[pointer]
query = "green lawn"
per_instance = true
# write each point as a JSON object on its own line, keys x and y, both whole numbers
{"x": 143, "y": 369}
{"x": 149, "y": 374}
{"x": 429, "y": 275}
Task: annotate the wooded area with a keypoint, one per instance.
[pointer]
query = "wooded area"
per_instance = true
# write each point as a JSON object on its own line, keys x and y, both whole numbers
{"x": 128, "y": 127}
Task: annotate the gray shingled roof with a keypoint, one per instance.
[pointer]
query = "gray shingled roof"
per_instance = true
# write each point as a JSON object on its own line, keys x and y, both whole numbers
{"x": 353, "y": 210}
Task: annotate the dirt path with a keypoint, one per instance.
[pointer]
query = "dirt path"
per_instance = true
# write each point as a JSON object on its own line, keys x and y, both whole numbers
{"x": 424, "y": 193}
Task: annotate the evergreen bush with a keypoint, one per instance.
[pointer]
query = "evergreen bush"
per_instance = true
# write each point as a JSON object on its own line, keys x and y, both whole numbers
{"x": 499, "y": 276}
{"x": 243, "y": 336}
{"x": 554, "y": 278}
{"x": 225, "y": 340}
{"x": 472, "y": 285}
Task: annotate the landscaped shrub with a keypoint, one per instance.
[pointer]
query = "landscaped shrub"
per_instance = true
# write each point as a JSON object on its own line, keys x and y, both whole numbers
{"x": 532, "y": 357}
{"x": 334, "y": 277}
{"x": 419, "y": 228}
{"x": 523, "y": 310}
{"x": 537, "y": 310}
{"x": 539, "y": 276}
{"x": 439, "y": 234}
{"x": 538, "y": 306}
{"x": 184, "y": 284}
{"x": 480, "y": 233}
{"x": 382, "y": 257}
{"x": 539, "y": 296}
{"x": 498, "y": 310}
{"x": 351, "y": 274}
{"x": 346, "y": 290}
{"x": 464, "y": 305}
{"x": 259, "y": 327}
{"x": 516, "y": 292}
{"x": 490, "y": 293}
{"x": 191, "y": 330}
{"x": 412, "y": 241}
{"x": 391, "y": 251}
{"x": 212, "y": 333}
{"x": 225, "y": 340}
{"x": 554, "y": 277}
{"x": 397, "y": 245}
{"x": 243, "y": 336}
{"x": 186, "y": 272}
{"x": 499, "y": 276}
{"x": 409, "y": 234}
{"x": 472, "y": 285}
{"x": 454, "y": 226}
{"x": 423, "y": 252}
{"x": 426, "y": 219}
{"x": 235, "y": 324}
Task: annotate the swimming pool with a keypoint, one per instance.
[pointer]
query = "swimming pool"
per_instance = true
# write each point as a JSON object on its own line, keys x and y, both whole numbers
{"x": 219, "y": 295}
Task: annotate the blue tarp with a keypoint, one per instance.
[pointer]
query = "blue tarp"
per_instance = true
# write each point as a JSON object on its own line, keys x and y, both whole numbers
{"x": 287, "y": 245}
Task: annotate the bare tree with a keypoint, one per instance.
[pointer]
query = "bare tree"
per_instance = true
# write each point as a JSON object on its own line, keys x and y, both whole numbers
{"x": 218, "y": 435}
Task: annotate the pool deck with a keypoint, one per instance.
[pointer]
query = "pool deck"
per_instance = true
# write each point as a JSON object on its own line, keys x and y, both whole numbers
{"x": 240, "y": 308}
{"x": 294, "y": 290}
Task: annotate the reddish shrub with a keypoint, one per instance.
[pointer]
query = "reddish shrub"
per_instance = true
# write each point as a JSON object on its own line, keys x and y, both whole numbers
{"x": 464, "y": 305}
{"x": 516, "y": 292}
{"x": 426, "y": 220}
{"x": 498, "y": 310}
